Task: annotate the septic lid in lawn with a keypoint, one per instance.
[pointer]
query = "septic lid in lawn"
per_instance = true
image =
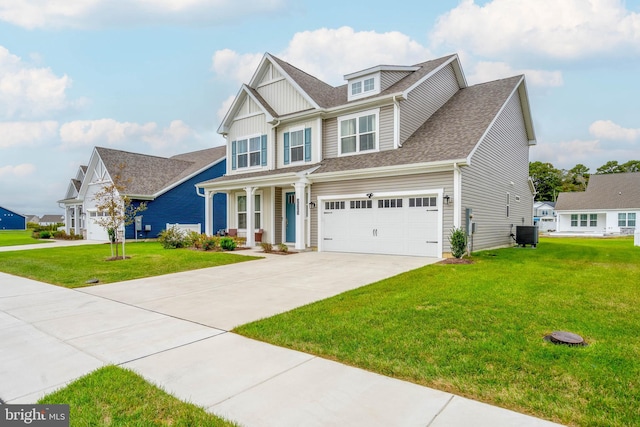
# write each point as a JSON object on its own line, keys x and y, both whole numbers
{"x": 564, "y": 337}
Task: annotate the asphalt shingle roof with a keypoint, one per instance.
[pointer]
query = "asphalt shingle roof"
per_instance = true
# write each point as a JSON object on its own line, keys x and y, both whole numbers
{"x": 148, "y": 175}
{"x": 606, "y": 191}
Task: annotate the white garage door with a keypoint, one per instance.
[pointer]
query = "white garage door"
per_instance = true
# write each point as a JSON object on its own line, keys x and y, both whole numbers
{"x": 95, "y": 231}
{"x": 390, "y": 225}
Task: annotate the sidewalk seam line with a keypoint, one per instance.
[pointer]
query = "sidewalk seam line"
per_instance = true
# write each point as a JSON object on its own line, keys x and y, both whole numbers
{"x": 441, "y": 410}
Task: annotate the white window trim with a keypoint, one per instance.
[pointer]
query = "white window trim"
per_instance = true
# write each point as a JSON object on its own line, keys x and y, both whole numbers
{"x": 242, "y": 194}
{"x": 364, "y": 93}
{"x": 296, "y": 129}
{"x": 249, "y": 167}
{"x": 375, "y": 112}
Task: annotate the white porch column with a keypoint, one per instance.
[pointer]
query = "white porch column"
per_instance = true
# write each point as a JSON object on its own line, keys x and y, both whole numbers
{"x": 251, "y": 237}
{"x": 300, "y": 214}
{"x": 208, "y": 212}
{"x": 76, "y": 220}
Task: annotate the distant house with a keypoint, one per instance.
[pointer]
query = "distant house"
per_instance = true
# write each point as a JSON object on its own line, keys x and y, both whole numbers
{"x": 52, "y": 219}
{"x": 33, "y": 218}
{"x": 544, "y": 215}
{"x": 165, "y": 184}
{"x": 609, "y": 205}
{"x": 11, "y": 220}
{"x": 389, "y": 163}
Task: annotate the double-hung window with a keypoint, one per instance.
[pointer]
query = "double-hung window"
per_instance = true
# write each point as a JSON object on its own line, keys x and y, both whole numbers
{"x": 626, "y": 219}
{"x": 249, "y": 152}
{"x": 242, "y": 212}
{"x": 358, "y": 133}
{"x": 296, "y": 146}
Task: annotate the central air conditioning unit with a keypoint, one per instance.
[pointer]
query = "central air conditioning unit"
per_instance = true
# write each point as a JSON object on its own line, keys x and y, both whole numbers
{"x": 527, "y": 235}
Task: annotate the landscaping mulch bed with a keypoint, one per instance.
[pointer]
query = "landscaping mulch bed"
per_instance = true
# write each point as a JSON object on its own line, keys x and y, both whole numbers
{"x": 456, "y": 261}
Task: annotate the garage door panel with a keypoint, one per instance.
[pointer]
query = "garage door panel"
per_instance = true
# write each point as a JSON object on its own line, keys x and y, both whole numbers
{"x": 388, "y": 226}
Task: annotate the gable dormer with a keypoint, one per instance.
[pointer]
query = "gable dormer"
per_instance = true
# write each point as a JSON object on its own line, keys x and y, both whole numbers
{"x": 374, "y": 80}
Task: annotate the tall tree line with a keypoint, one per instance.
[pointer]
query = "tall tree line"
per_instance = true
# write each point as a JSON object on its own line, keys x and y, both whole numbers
{"x": 549, "y": 181}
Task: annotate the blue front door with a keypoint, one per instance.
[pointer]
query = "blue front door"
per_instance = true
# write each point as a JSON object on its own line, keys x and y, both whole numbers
{"x": 290, "y": 217}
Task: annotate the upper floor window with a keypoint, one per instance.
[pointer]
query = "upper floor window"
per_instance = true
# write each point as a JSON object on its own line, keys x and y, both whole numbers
{"x": 297, "y": 145}
{"x": 357, "y": 133}
{"x": 362, "y": 87}
{"x": 249, "y": 152}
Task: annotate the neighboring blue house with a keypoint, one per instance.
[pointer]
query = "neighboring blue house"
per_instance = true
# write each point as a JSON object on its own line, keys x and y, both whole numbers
{"x": 10, "y": 220}
{"x": 166, "y": 185}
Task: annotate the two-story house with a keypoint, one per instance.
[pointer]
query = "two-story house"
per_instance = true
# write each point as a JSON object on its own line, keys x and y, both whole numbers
{"x": 388, "y": 163}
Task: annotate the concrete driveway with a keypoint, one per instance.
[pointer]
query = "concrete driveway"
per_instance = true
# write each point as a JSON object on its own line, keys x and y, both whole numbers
{"x": 173, "y": 331}
{"x": 227, "y": 296}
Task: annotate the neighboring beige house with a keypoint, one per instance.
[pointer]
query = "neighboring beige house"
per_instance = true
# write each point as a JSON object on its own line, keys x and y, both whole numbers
{"x": 609, "y": 205}
{"x": 387, "y": 163}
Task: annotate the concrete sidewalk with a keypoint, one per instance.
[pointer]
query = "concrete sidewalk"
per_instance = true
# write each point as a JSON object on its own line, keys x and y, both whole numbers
{"x": 172, "y": 330}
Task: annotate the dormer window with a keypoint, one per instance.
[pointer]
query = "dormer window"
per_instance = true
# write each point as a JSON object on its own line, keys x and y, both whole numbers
{"x": 363, "y": 87}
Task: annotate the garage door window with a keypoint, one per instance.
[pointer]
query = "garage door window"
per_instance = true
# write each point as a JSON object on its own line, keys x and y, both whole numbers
{"x": 389, "y": 203}
{"x": 361, "y": 204}
{"x": 334, "y": 205}
{"x": 418, "y": 202}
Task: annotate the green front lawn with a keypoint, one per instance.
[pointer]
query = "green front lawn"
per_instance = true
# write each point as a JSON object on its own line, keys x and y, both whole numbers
{"x": 113, "y": 396}
{"x": 477, "y": 330}
{"x": 73, "y": 266}
{"x": 18, "y": 237}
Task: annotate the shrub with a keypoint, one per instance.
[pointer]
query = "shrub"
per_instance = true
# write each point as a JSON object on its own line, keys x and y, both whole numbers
{"x": 172, "y": 238}
{"x": 283, "y": 248}
{"x": 194, "y": 239}
{"x": 210, "y": 243}
{"x": 45, "y": 234}
{"x": 227, "y": 243}
{"x": 266, "y": 247}
{"x": 458, "y": 241}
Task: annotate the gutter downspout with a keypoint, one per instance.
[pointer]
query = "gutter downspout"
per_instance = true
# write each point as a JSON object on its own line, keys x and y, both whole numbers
{"x": 457, "y": 197}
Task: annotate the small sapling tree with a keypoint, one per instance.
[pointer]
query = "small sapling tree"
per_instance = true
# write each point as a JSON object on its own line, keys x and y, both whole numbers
{"x": 115, "y": 210}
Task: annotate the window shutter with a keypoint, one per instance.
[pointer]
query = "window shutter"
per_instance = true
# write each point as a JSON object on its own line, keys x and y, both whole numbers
{"x": 263, "y": 154}
{"x": 233, "y": 155}
{"x": 286, "y": 148}
{"x": 307, "y": 145}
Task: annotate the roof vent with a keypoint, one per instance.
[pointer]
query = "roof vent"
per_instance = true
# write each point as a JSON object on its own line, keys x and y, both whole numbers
{"x": 567, "y": 338}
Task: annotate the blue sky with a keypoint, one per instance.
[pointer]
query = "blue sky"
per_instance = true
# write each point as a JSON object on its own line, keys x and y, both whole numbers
{"x": 156, "y": 76}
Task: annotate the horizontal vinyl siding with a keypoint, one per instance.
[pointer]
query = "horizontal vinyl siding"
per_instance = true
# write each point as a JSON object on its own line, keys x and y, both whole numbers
{"x": 388, "y": 78}
{"x": 330, "y": 136}
{"x": 283, "y": 98}
{"x": 502, "y": 158}
{"x": 425, "y": 100}
{"x": 386, "y": 128}
{"x": 385, "y": 185}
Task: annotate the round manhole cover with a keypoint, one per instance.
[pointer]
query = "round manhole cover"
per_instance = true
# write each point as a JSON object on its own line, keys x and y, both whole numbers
{"x": 563, "y": 337}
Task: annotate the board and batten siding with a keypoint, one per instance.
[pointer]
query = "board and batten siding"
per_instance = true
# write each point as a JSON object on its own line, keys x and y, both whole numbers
{"x": 283, "y": 97}
{"x": 500, "y": 165}
{"x": 425, "y": 100}
{"x": 385, "y": 133}
{"x": 426, "y": 181}
{"x": 389, "y": 78}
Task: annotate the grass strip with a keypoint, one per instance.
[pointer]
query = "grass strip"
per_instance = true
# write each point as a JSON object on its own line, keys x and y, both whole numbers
{"x": 113, "y": 396}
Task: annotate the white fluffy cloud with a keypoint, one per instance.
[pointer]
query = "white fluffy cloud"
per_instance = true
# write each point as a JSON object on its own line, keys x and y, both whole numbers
{"x": 567, "y": 29}
{"x": 28, "y": 91}
{"x": 101, "y": 13}
{"x": 18, "y": 171}
{"x": 608, "y": 130}
{"x": 27, "y": 134}
{"x": 88, "y": 133}
{"x": 486, "y": 71}
{"x": 567, "y": 154}
{"x": 329, "y": 54}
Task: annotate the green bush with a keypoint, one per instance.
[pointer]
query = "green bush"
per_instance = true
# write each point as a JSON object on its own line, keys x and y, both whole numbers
{"x": 458, "y": 242}
{"x": 227, "y": 243}
{"x": 283, "y": 248}
{"x": 173, "y": 238}
{"x": 266, "y": 247}
{"x": 45, "y": 234}
{"x": 210, "y": 243}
